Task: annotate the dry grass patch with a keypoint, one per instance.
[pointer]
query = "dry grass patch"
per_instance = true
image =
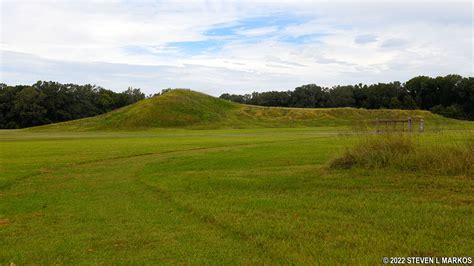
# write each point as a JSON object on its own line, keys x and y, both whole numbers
{"x": 407, "y": 152}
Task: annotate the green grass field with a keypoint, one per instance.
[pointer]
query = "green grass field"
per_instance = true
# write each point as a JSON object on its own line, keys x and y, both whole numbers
{"x": 257, "y": 195}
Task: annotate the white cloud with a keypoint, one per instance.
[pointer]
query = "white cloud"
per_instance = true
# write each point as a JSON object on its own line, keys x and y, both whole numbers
{"x": 335, "y": 43}
{"x": 365, "y": 38}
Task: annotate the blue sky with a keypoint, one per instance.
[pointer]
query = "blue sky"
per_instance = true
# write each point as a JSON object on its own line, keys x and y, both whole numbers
{"x": 248, "y": 30}
{"x": 232, "y": 46}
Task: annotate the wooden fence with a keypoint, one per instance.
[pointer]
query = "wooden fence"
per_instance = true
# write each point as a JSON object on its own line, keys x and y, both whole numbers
{"x": 385, "y": 125}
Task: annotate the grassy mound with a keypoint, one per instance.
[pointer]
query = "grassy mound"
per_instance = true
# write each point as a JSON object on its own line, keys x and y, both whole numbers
{"x": 408, "y": 153}
{"x": 178, "y": 108}
{"x": 182, "y": 108}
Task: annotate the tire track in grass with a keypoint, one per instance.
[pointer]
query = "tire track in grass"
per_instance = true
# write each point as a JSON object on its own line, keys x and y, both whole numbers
{"x": 8, "y": 184}
{"x": 211, "y": 221}
{"x": 266, "y": 252}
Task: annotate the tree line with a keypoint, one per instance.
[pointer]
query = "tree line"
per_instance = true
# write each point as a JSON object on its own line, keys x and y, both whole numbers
{"x": 49, "y": 102}
{"x": 450, "y": 96}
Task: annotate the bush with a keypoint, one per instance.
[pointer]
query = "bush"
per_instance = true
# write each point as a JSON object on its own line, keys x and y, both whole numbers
{"x": 452, "y": 111}
{"x": 405, "y": 152}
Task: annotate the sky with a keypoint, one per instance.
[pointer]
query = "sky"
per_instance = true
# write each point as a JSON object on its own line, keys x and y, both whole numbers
{"x": 232, "y": 46}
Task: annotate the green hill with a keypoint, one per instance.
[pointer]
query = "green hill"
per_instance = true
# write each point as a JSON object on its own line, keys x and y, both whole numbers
{"x": 182, "y": 108}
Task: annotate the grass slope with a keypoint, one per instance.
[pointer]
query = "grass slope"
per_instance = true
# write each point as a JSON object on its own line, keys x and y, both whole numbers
{"x": 189, "y": 109}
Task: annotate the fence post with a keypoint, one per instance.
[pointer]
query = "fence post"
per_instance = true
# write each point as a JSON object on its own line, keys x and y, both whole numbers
{"x": 422, "y": 125}
{"x": 409, "y": 124}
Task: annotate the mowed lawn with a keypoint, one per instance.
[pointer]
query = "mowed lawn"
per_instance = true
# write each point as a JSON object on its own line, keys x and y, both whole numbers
{"x": 248, "y": 196}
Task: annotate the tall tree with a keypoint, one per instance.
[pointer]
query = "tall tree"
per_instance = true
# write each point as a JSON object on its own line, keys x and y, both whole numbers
{"x": 47, "y": 102}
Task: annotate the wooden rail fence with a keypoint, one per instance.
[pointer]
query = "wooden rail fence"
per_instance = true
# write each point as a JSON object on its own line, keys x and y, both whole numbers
{"x": 399, "y": 124}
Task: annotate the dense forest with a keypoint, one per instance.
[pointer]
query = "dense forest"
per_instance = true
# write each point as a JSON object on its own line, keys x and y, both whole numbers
{"x": 450, "y": 96}
{"x": 50, "y": 102}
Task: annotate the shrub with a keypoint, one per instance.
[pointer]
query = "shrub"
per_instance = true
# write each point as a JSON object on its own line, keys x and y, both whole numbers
{"x": 405, "y": 152}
